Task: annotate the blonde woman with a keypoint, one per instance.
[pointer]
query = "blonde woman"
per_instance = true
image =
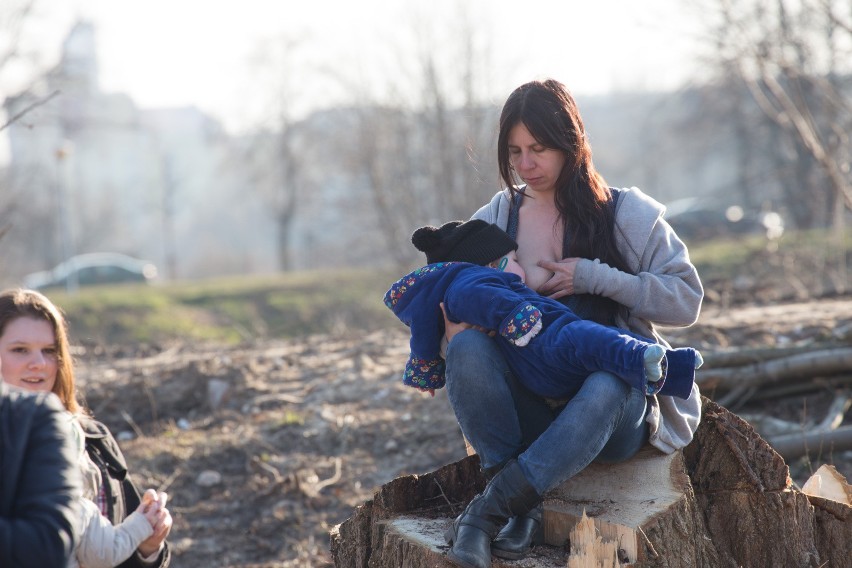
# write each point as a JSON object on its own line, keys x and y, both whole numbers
{"x": 35, "y": 356}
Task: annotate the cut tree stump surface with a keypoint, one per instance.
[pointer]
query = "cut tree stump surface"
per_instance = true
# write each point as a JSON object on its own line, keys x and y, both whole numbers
{"x": 726, "y": 500}
{"x": 620, "y": 499}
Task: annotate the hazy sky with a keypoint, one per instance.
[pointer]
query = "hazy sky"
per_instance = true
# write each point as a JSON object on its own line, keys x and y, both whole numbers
{"x": 202, "y": 52}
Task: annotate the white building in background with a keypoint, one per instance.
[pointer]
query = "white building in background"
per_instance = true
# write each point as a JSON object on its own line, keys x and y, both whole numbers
{"x": 89, "y": 171}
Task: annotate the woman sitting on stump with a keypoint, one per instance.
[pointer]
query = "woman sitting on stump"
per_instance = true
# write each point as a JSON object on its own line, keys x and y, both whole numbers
{"x": 607, "y": 254}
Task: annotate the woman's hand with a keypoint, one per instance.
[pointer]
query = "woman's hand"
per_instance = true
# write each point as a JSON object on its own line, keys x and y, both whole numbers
{"x": 451, "y": 329}
{"x": 561, "y": 284}
{"x": 162, "y": 525}
{"x": 149, "y": 507}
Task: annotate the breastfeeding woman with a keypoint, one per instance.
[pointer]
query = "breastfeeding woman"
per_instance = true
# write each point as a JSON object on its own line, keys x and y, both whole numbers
{"x": 610, "y": 256}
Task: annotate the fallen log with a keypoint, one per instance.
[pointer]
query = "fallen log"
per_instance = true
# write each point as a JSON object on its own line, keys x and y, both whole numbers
{"x": 784, "y": 372}
{"x": 817, "y": 442}
{"x": 802, "y": 388}
{"x": 738, "y": 357}
{"x": 810, "y": 364}
{"x": 726, "y": 500}
{"x": 749, "y": 356}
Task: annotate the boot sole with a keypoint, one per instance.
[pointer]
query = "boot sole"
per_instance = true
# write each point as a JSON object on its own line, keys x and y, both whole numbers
{"x": 509, "y": 555}
{"x": 457, "y": 561}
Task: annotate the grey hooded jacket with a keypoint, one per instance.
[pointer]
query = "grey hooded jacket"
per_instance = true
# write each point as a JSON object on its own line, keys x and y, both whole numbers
{"x": 664, "y": 290}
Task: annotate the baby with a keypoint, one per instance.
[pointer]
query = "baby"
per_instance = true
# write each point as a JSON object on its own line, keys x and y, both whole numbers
{"x": 100, "y": 544}
{"x": 546, "y": 345}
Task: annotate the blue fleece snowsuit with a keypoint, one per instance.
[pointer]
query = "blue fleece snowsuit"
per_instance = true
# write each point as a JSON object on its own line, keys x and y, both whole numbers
{"x": 547, "y": 346}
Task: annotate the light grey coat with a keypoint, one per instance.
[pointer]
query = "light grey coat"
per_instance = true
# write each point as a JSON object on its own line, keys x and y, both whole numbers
{"x": 103, "y": 545}
{"x": 664, "y": 290}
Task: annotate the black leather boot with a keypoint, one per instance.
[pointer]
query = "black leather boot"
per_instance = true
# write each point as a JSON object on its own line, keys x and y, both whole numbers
{"x": 517, "y": 537}
{"x": 508, "y": 494}
{"x": 489, "y": 473}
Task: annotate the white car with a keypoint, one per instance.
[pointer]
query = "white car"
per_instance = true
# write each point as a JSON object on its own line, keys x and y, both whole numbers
{"x": 92, "y": 269}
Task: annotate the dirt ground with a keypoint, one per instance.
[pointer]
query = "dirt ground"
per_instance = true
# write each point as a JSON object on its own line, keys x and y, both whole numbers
{"x": 264, "y": 447}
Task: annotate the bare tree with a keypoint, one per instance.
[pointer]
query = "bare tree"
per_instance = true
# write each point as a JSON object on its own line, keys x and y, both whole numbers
{"x": 279, "y": 149}
{"x": 285, "y": 204}
{"x": 14, "y": 16}
{"x": 168, "y": 207}
{"x": 791, "y": 56}
{"x": 454, "y": 64}
{"x": 420, "y": 145}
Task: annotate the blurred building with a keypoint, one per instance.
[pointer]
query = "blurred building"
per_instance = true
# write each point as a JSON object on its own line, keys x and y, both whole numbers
{"x": 90, "y": 171}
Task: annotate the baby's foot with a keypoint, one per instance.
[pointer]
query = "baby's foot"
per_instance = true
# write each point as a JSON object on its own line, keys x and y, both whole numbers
{"x": 654, "y": 355}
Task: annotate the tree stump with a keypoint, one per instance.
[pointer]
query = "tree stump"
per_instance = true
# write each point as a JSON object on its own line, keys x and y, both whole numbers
{"x": 634, "y": 507}
{"x": 725, "y": 501}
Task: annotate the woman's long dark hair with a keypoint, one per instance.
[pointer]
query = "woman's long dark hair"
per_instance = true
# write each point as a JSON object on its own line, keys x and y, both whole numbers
{"x": 550, "y": 113}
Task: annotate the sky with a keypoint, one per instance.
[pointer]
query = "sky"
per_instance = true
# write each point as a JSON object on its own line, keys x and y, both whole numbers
{"x": 224, "y": 56}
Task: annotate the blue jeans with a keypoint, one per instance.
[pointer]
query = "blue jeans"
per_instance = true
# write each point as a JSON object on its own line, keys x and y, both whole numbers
{"x": 604, "y": 421}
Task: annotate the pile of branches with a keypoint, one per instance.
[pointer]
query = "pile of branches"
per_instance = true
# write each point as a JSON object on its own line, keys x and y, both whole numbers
{"x": 741, "y": 378}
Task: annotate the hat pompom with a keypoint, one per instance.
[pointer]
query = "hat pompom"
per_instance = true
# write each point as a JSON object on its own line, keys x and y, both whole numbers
{"x": 426, "y": 239}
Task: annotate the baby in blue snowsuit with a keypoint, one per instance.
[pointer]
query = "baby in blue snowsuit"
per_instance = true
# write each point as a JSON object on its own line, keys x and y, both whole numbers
{"x": 472, "y": 268}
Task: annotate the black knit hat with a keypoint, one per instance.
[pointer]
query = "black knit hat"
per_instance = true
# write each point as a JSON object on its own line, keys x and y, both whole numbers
{"x": 474, "y": 241}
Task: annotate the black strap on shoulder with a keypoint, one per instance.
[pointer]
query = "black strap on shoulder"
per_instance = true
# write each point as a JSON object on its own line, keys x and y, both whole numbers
{"x": 514, "y": 206}
{"x": 101, "y": 444}
{"x": 613, "y": 202}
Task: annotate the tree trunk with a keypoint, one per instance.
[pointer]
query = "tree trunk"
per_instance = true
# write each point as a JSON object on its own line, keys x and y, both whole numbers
{"x": 726, "y": 500}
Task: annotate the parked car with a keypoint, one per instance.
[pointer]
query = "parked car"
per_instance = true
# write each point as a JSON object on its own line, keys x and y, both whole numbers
{"x": 92, "y": 269}
{"x": 695, "y": 220}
